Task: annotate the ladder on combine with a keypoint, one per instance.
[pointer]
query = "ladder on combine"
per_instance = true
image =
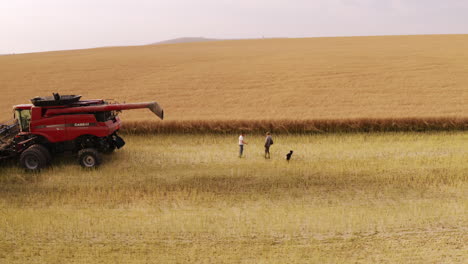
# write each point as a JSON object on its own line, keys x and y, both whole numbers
{"x": 7, "y": 133}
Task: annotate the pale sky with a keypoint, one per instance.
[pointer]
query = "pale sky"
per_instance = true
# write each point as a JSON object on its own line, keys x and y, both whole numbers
{"x": 42, "y": 25}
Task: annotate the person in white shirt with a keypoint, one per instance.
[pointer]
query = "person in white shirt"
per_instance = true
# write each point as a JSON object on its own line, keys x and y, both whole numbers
{"x": 241, "y": 144}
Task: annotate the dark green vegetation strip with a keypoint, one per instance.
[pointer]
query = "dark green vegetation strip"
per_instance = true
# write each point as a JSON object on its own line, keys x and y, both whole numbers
{"x": 299, "y": 126}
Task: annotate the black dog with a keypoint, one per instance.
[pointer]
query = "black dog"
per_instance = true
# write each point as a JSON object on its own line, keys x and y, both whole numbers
{"x": 288, "y": 156}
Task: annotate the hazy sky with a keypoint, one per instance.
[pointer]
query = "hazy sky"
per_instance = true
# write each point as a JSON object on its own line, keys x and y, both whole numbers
{"x": 40, "y": 25}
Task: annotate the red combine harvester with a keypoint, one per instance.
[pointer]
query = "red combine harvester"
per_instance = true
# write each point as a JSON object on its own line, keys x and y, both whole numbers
{"x": 58, "y": 124}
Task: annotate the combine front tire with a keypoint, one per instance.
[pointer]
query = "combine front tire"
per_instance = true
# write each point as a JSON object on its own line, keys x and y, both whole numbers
{"x": 35, "y": 158}
{"x": 89, "y": 158}
{"x": 45, "y": 152}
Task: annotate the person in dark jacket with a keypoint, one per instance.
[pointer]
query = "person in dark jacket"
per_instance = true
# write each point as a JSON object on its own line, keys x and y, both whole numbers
{"x": 268, "y": 143}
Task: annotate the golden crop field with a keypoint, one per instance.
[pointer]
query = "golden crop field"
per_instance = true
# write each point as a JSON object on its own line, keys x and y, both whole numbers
{"x": 294, "y": 79}
{"x": 178, "y": 193}
{"x": 355, "y": 198}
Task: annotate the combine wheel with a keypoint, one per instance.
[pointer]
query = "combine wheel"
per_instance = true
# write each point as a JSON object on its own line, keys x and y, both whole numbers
{"x": 35, "y": 158}
{"x": 109, "y": 150}
{"x": 89, "y": 158}
{"x": 45, "y": 152}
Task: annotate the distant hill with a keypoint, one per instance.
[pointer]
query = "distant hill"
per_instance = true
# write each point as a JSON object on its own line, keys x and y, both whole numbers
{"x": 185, "y": 40}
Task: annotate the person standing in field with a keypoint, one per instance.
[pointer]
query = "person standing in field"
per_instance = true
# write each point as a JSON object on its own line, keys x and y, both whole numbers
{"x": 268, "y": 143}
{"x": 241, "y": 144}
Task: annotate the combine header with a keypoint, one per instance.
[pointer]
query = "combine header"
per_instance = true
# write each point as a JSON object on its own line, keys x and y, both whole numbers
{"x": 58, "y": 124}
{"x": 7, "y": 134}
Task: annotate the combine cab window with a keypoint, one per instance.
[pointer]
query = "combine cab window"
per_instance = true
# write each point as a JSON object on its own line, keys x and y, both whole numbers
{"x": 24, "y": 118}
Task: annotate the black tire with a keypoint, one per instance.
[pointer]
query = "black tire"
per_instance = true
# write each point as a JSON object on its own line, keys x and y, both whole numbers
{"x": 34, "y": 158}
{"x": 46, "y": 153}
{"x": 89, "y": 158}
{"x": 109, "y": 150}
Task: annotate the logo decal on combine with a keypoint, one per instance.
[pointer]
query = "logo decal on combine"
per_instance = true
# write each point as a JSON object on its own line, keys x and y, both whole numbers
{"x": 81, "y": 124}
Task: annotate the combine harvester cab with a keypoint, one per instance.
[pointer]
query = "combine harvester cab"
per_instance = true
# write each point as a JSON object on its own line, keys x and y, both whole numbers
{"x": 58, "y": 124}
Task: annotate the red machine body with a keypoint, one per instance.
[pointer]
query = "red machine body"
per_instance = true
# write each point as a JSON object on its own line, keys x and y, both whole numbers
{"x": 57, "y": 125}
{"x": 69, "y": 122}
